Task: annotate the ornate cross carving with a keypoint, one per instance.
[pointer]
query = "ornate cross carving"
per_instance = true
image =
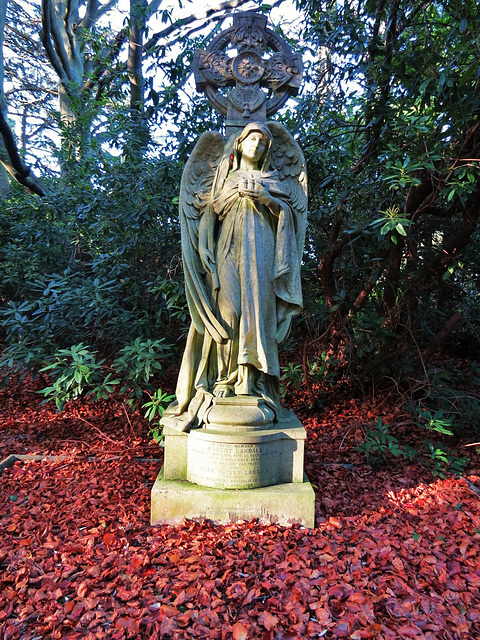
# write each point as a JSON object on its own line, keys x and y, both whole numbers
{"x": 235, "y": 58}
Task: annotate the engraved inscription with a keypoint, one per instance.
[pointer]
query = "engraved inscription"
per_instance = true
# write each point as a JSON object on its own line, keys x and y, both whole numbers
{"x": 239, "y": 466}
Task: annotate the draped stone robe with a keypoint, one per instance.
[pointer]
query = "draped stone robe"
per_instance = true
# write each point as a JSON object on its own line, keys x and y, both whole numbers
{"x": 256, "y": 292}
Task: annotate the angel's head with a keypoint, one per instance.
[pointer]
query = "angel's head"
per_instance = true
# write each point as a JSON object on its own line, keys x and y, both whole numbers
{"x": 254, "y": 144}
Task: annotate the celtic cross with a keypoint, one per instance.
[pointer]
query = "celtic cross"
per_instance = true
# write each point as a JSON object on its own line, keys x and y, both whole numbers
{"x": 237, "y": 58}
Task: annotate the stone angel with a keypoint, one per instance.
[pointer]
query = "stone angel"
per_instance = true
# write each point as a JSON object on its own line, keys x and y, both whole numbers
{"x": 243, "y": 208}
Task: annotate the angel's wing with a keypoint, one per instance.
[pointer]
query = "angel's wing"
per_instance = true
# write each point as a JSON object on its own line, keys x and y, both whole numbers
{"x": 195, "y": 190}
{"x": 289, "y": 161}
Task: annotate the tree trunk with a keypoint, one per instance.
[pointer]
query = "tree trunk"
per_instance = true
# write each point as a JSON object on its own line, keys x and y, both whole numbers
{"x": 138, "y": 9}
{"x": 4, "y": 181}
{"x": 138, "y": 138}
{"x": 61, "y": 36}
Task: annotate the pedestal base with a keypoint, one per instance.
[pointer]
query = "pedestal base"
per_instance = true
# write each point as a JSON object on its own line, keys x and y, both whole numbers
{"x": 284, "y": 504}
{"x": 250, "y": 469}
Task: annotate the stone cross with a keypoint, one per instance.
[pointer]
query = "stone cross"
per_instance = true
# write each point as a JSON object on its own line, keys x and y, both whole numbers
{"x": 236, "y": 63}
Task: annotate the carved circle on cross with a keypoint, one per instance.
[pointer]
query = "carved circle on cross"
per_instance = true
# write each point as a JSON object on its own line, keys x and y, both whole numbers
{"x": 248, "y": 67}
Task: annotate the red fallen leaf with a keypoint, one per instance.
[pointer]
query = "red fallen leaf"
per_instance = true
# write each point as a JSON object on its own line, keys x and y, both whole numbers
{"x": 50, "y": 545}
{"x": 341, "y": 630}
{"x": 123, "y": 594}
{"x": 268, "y": 620}
{"x": 185, "y": 618}
{"x": 167, "y": 628}
{"x": 127, "y": 623}
{"x": 253, "y": 593}
{"x": 94, "y": 571}
{"x": 323, "y": 616}
{"x": 335, "y": 522}
{"x": 335, "y": 591}
{"x": 325, "y": 557}
{"x": 168, "y": 610}
{"x": 109, "y": 538}
{"x": 91, "y": 602}
{"x": 77, "y": 610}
{"x": 25, "y": 542}
{"x": 136, "y": 562}
{"x": 8, "y": 610}
{"x": 192, "y": 559}
{"x": 474, "y": 616}
{"x": 408, "y": 631}
{"x": 175, "y": 557}
{"x": 357, "y": 597}
{"x": 454, "y": 568}
{"x": 240, "y": 631}
{"x": 371, "y": 631}
{"x": 236, "y": 590}
{"x": 464, "y": 546}
{"x": 57, "y": 594}
{"x": 68, "y": 606}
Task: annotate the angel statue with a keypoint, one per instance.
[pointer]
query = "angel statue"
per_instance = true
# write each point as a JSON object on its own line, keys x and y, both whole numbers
{"x": 243, "y": 209}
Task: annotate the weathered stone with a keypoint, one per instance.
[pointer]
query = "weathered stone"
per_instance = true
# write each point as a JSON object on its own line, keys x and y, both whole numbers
{"x": 235, "y": 59}
{"x": 243, "y": 214}
{"x": 175, "y": 454}
{"x": 237, "y": 459}
{"x": 284, "y": 504}
{"x": 243, "y": 210}
{"x": 245, "y": 412}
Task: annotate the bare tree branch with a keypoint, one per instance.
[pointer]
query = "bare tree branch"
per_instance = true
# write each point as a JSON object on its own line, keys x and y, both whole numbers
{"x": 55, "y": 19}
{"x": 444, "y": 332}
{"x": 104, "y": 8}
{"x": 178, "y": 24}
{"x": 103, "y": 77}
{"x": 91, "y": 13}
{"x": 45, "y": 35}
{"x": 16, "y": 167}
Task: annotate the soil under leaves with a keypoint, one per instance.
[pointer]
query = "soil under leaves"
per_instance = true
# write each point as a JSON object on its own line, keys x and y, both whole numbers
{"x": 396, "y": 553}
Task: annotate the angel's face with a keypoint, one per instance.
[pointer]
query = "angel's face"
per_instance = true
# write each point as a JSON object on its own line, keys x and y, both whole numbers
{"x": 254, "y": 146}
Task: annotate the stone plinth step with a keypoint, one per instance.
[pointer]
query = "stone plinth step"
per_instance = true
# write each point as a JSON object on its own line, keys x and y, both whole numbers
{"x": 284, "y": 504}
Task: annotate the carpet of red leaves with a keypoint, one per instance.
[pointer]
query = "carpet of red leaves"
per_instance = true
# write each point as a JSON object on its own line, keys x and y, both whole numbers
{"x": 395, "y": 553}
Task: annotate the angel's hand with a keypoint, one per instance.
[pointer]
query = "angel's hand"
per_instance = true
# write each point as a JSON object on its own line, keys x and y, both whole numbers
{"x": 255, "y": 191}
{"x": 208, "y": 261}
{"x": 258, "y": 193}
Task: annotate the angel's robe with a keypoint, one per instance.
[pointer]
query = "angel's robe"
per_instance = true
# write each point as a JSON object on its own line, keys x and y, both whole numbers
{"x": 257, "y": 293}
{"x": 259, "y": 284}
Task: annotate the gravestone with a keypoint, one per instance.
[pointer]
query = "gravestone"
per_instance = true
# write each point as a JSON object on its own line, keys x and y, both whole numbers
{"x": 232, "y": 451}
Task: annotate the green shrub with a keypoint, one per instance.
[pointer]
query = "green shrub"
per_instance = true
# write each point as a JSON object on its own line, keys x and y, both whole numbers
{"x": 154, "y": 411}
{"x": 138, "y": 361}
{"x": 74, "y": 372}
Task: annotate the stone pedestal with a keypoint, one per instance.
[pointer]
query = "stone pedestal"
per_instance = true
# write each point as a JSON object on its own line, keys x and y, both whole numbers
{"x": 284, "y": 504}
{"x": 225, "y": 473}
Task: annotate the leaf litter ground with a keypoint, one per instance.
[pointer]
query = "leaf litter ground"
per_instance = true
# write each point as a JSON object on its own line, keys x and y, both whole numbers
{"x": 395, "y": 553}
